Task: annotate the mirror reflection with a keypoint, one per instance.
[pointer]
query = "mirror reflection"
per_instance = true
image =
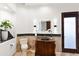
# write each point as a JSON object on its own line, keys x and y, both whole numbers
{"x": 45, "y": 25}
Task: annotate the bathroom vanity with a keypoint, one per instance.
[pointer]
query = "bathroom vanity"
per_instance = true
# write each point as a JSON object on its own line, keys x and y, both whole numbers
{"x": 8, "y": 48}
{"x": 45, "y": 47}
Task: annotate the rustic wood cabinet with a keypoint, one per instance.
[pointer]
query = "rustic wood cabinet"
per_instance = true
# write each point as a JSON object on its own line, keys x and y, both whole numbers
{"x": 45, "y": 48}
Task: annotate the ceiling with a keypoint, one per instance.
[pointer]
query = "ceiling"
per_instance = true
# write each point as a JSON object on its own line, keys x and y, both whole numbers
{"x": 57, "y": 5}
{"x": 12, "y": 6}
{"x": 8, "y": 7}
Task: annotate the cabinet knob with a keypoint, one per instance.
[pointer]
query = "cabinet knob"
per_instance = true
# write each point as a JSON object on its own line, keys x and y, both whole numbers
{"x": 11, "y": 44}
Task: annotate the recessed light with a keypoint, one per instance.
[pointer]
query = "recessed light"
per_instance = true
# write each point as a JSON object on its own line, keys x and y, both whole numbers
{"x": 45, "y": 9}
{"x": 6, "y": 7}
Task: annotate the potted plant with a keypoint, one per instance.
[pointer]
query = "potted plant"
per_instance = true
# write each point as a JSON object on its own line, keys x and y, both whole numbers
{"x": 6, "y": 24}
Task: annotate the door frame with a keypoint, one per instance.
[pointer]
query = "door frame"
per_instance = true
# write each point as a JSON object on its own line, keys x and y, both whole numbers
{"x": 69, "y": 14}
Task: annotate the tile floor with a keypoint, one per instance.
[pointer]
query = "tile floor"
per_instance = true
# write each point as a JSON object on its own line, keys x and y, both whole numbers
{"x": 57, "y": 54}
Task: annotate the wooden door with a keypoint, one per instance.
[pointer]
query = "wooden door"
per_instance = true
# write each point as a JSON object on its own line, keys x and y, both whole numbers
{"x": 70, "y": 32}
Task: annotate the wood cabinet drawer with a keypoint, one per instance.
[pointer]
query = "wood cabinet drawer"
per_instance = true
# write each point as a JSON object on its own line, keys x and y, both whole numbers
{"x": 44, "y": 48}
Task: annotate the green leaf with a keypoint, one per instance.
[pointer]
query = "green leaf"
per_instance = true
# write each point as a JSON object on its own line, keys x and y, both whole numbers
{"x": 6, "y": 24}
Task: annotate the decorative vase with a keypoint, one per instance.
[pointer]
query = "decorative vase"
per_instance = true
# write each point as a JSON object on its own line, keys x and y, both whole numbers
{"x": 4, "y": 35}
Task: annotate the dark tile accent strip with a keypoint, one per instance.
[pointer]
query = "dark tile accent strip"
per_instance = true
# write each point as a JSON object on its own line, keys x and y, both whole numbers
{"x": 31, "y": 34}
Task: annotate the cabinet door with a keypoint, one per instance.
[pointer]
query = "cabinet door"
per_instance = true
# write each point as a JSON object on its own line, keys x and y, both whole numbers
{"x": 12, "y": 46}
{"x": 8, "y": 48}
{"x": 4, "y": 49}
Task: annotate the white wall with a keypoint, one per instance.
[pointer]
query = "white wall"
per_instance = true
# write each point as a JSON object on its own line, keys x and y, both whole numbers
{"x": 26, "y": 16}
{"x": 4, "y": 14}
{"x": 24, "y": 20}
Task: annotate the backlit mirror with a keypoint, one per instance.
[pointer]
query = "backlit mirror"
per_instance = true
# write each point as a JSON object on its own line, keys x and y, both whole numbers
{"x": 45, "y": 25}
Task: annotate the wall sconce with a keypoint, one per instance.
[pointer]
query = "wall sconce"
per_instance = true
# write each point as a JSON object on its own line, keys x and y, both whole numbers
{"x": 55, "y": 25}
{"x": 34, "y": 25}
{"x": 35, "y": 29}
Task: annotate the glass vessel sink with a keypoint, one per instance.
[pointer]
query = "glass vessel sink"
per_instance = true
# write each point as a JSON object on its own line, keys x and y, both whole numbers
{"x": 44, "y": 37}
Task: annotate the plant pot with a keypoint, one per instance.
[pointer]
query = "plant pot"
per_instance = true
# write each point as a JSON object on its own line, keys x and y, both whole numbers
{"x": 4, "y": 35}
